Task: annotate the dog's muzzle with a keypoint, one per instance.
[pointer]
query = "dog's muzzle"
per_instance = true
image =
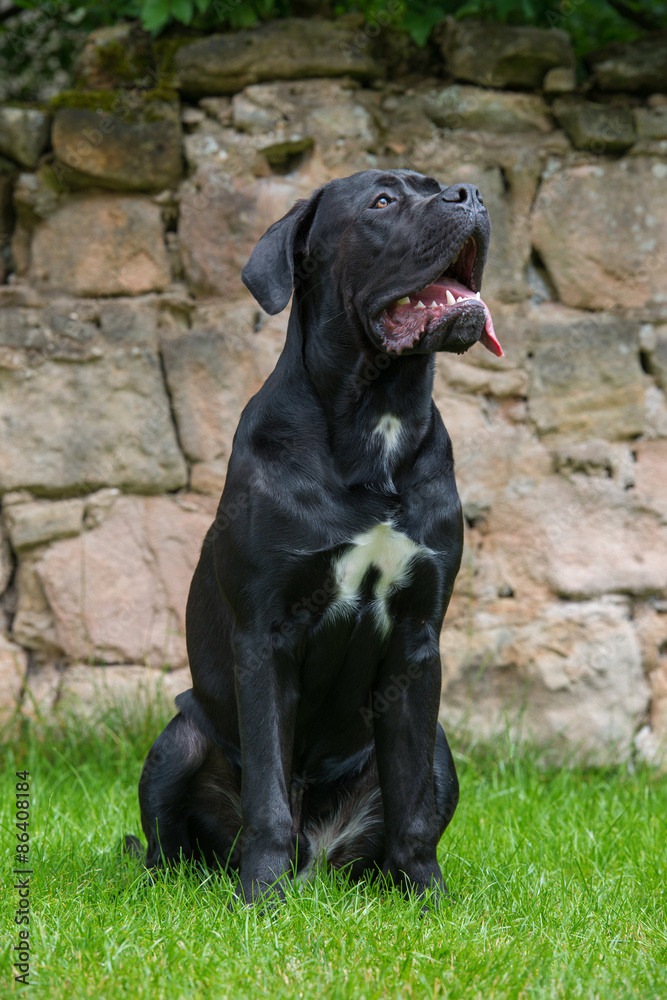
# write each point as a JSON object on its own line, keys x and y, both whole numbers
{"x": 437, "y": 316}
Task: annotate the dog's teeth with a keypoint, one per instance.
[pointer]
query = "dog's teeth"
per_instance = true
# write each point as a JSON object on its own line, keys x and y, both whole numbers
{"x": 461, "y": 298}
{"x": 404, "y": 301}
{"x": 434, "y": 304}
{"x": 451, "y": 301}
{"x": 420, "y": 305}
{"x": 477, "y": 296}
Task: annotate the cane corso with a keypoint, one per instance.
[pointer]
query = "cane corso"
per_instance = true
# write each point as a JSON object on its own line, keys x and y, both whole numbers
{"x": 311, "y": 733}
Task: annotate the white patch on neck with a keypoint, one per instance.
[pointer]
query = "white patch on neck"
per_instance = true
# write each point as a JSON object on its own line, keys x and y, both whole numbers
{"x": 391, "y": 553}
{"x": 390, "y": 430}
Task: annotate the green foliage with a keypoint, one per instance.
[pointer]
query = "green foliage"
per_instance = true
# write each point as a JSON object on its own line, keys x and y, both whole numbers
{"x": 209, "y": 15}
{"x": 421, "y": 17}
{"x": 590, "y": 22}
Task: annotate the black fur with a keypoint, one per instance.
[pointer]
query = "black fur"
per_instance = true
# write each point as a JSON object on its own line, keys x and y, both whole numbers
{"x": 312, "y": 726}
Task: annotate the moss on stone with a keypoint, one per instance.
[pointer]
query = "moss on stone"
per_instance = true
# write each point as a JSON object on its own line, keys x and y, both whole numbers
{"x": 160, "y": 110}
{"x": 49, "y": 178}
{"x": 165, "y": 51}
{"x": 280, "y": 153}
{"x": 124, "y": 64}
{"x": 91, "y": 99}
{"x": 141, "y": 107}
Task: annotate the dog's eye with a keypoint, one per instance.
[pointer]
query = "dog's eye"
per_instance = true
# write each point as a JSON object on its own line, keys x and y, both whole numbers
{"x": 382, "y": 201}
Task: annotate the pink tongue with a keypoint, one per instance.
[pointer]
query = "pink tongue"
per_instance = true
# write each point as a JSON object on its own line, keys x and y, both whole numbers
{"x": 489, "y": 338}
{"x": 458, "y": 290}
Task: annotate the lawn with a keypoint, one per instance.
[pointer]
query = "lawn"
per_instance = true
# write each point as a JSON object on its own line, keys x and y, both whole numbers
{"x": 557, "y": 879}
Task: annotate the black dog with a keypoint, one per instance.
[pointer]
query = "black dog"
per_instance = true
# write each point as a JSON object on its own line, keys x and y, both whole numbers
{"x": 311, "y": 730}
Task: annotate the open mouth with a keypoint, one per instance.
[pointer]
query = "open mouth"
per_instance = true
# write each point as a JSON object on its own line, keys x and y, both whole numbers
{"x": 403, "y": 323}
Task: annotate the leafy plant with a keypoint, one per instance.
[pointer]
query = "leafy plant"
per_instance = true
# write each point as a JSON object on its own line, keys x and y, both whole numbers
{"x": 590, "y": 22}
{"x": 422, "y": 16}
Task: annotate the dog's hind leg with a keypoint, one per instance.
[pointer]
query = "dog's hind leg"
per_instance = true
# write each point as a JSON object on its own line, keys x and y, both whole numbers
{"x": 190, "y": 798}
{"x": 445, "y": 781}
{"x": 215, "y": 817}
{"x": 173, "y": 760}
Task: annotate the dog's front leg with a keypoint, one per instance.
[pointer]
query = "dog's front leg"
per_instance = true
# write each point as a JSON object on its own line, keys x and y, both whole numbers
{"x": 267, "y": 699}
{"x": 405, "y": 711}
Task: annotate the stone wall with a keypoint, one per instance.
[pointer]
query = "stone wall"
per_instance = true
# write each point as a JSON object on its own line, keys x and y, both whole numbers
{"x": 128, "y": 347}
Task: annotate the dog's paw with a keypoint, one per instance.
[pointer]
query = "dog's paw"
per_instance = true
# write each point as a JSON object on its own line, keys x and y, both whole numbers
{"x": 266, "y": 895}
{"x": 264, "y": 884}
{"x": 133, "y": 847}
{"x": 417, "y": 881}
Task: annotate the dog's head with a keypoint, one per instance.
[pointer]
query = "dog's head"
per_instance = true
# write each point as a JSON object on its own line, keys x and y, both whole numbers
{"x": 398, "y": 252}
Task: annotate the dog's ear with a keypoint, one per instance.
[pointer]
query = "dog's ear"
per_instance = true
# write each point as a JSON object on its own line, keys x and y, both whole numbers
{"x": 269, "y": 273}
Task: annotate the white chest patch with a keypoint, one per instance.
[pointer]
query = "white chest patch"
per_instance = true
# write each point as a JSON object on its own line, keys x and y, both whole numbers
{"x": 389, "y": 430}
{"x": 390, "y": 552}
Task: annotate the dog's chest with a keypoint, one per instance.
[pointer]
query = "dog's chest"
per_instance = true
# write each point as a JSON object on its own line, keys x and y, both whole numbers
{"x": 381, "y": 555}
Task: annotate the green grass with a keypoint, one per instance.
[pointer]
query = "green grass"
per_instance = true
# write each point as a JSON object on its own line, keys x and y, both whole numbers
{"x": 558, "y": 879}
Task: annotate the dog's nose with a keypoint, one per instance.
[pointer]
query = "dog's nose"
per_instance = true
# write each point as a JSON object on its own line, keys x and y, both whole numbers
{"x": 463, "y": 193}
